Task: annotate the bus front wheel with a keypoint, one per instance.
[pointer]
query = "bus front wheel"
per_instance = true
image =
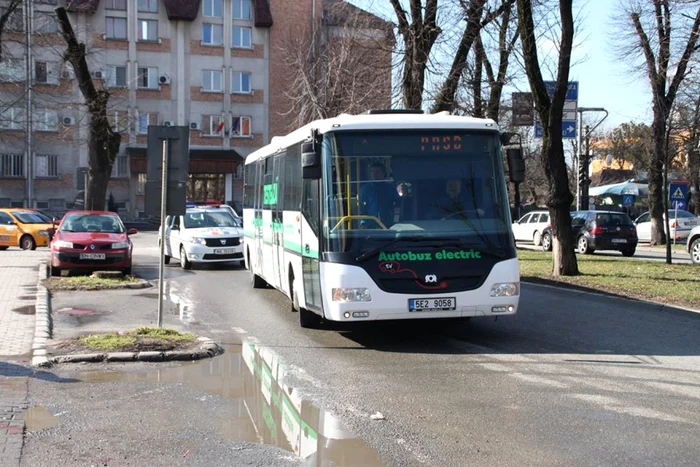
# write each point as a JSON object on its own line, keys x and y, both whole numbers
{"x": 308, "y": 319}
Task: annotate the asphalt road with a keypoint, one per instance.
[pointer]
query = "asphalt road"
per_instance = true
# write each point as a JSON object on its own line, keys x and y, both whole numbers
{"x": 572, "y": 379}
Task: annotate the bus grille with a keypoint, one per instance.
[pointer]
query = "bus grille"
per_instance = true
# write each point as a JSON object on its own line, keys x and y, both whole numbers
{"x": 408, "y": 285}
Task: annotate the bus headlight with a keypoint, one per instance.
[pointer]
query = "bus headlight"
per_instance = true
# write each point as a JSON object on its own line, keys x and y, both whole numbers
{"x": 507, "y": 289}
{"x": 351, "y": 295}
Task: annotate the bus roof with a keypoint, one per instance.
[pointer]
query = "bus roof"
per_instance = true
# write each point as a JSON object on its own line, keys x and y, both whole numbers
{"x": 388, "y": 121}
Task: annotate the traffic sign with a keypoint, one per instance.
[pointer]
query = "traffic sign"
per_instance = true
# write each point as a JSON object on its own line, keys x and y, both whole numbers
{"x": 678, "y": 194}
{"x": 627, "y": 200}
{"x": 568, "y": 124}
{"x": 568, "y": 129}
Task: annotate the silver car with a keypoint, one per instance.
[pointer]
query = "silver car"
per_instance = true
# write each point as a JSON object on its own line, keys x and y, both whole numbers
{"x": 694, "y": 245}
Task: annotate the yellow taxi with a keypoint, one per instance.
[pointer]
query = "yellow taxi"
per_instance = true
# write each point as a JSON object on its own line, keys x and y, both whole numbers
{"x": 25, "y": 228}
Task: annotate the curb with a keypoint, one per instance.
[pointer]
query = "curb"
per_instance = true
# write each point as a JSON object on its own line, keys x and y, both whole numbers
{"x": 207, "y": 349}
{"x": 568, "y": 288}
{"x": 42, "y": 326}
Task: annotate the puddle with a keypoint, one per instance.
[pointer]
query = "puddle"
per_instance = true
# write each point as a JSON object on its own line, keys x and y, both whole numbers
{"x": 262, "y": 410}
{"x": 25, "y": 310}
{"x": 39, "y": 418}
{"x": 76, "y": 311}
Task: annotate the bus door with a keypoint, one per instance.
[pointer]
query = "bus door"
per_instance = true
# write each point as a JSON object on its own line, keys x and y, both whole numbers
{"x": 277, "y": 199}
{"x": 310, "y": 245}
{"x": 257, "y": 215}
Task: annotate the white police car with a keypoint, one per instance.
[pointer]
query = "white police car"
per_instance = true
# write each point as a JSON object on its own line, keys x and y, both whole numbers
{"x": 205, "y": 234}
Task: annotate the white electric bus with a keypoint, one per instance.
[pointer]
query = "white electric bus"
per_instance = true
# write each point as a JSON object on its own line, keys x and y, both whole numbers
{"x": 384, "y": 215}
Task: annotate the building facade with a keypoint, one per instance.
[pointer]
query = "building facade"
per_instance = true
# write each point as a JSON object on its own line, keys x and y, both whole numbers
{"x": 216, "y": 66}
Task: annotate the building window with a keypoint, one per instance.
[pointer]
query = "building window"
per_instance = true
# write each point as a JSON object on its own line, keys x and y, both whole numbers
{"x": 12, "y": 70}
{"x": 45, "y": 23}
{"x": 116, "y": 5}
{"x": 12, "y": 165}
{"x": 216, "y": 125}
{"x": 212, "y": 80}
{"x": 115, "y": 28}
{"x": 146, "y": 120}
{"x": 212, "y": 34}
{"x": 46, "y": 120}
{"x": 115, "y": 76}
{"x": 241, "y": 37}
{"x": 141, "y": 184}
{"x": 12, "y": 118}
{"x": 240, "y": 127}
{"x": 41, "y": 72}
{"x": 119, "y": 120}
{"x": 46, "y": 165}
{"x": 212, "y": 8}
{"x": 148, "y": 30}
{"x": 148, "y": 78}
{"x": 15, "y": 22}
{"x": 241, "y": 9}
{"x": 240, "y": 82}
{"x": 148, "y": 6}
{"x": 120, "y": 169}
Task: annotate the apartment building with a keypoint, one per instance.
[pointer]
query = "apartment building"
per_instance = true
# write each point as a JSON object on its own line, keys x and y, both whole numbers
{"x": 216, "y": 66}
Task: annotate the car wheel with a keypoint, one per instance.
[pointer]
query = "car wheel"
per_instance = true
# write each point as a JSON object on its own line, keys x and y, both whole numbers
{"x": 537, "y": 238}
{"x": 582, "y": 246}
{"x": 547, "y": 241}
{"x": 3, "y": 248}
{"x": 308, "y": 319}
{"x": 629, "y": 252}
{"x": 55, "y": 272}
{"x": 126, "y": 272}
{"x": 27, "y": 243}
{"x": 184, "y": 262}
{"x": 695, "y": 251}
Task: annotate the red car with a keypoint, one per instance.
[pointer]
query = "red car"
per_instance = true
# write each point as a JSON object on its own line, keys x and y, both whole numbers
{"x": 89, "y": 241}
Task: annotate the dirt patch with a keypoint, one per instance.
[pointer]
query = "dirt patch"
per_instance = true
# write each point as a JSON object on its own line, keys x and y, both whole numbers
{"x": 83, "y": 283}
{"x": 140, "y": 344}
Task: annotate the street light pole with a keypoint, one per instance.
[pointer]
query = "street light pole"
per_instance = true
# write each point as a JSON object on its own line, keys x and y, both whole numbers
{"x": 583, "y": 159}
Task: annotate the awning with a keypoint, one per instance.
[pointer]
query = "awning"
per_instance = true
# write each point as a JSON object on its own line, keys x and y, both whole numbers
{"x": 212, "y": 161}
{"x": 624, "y": 188}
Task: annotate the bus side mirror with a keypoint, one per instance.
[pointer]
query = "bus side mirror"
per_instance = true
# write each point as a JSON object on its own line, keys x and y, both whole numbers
{"x": 310, "y": 162}
{"x": 516, "y": 165}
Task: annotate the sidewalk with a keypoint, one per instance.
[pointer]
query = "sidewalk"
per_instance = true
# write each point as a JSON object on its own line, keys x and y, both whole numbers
{"x": 18, "y": 280}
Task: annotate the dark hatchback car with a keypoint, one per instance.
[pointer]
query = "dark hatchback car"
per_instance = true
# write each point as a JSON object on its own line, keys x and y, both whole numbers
{"x": 599, "y": 230}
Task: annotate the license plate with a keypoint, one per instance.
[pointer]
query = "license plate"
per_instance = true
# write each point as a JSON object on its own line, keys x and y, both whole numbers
{"x": 92, "y": 256}
{"x": 432, "y": 304}
{"x": 619, "y": 240}
{"x": 224, "y": 251}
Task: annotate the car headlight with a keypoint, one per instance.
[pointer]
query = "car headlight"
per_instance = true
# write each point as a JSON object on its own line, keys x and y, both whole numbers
{"x": 63, "y": 244}
{"x": 351, "y": 295}
{"x": 120, "y": 245}
{"x": 199, "y": 240}
{"x": 43, "y": 233}
{"x": 507, "y": 289}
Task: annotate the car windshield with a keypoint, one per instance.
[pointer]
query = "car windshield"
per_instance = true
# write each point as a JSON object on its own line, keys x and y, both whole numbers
{"x": 434, "y": 184}
{"x": 91, "y": 223}
{"x": 609, "y": 219}
{"x": 212, "y": 218}
{"x": 28, "y": 217}
{"x": 680, "y": 214}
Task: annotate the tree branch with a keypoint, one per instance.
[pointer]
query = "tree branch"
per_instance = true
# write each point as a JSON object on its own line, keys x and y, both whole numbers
{"x": 532, "y": 63}
{"x": 646, "y": 48}
{"x": 5, "y": 17}
{"x": 683, "y": 64}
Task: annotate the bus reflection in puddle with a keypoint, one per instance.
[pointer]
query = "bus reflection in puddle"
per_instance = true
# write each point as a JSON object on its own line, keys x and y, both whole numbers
{"x": 264, "y": 410}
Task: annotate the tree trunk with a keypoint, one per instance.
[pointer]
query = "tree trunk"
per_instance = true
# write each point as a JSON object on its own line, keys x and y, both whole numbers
{"x": 103, "y": 141}
{"x": 694, "y": 168}
{"x": 656, "y": 181}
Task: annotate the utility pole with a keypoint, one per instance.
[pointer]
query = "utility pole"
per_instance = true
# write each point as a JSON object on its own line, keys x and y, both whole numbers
{"x": 28, "y": 12}
{"x": 583, "y": 159}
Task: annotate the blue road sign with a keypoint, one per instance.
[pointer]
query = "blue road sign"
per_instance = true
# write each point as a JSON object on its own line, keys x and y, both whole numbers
{"x": 627, "y": 200}
{"x": 571, "y": 92}
{"x": 678, "y": 194}
{"x": 568, "y": 129}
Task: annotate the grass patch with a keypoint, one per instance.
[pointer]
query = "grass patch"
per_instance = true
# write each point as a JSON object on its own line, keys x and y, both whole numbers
{"x": 87, "y": 283}
{"x": 676, "y": 284}
{"x": 140, "y": 339}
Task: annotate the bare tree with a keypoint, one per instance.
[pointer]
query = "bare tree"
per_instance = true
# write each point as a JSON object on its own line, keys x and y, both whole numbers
{"x": 651, "y": 22}
{"x": 687, "y": 120}
{"x": 550, "y": 112}
{"x": 7, "y": 13}
{"x": 103, "y": 141}
{"x": 632, "y": 142}
{"x": 333, "y": 64}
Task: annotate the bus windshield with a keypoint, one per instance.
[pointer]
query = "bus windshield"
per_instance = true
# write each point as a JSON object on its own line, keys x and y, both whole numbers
{"x": 432, "y": 184}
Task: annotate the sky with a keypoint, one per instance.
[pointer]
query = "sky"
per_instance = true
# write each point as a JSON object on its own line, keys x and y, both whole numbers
{"x": 605, "y": 80}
